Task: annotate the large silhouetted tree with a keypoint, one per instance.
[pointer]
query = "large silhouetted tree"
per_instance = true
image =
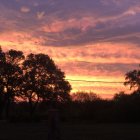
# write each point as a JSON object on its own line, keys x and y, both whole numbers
{"x": 43, "y": 80}
{"x": 33, "y": 78}
{"x": 2, "y": 63}
{"x": 132, "y": 79}
{"x": 10, "y": 77}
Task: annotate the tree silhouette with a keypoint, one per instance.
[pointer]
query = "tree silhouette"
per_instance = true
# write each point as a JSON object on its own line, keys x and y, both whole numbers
{"x": 132, "y": 79}
{"x": 43, "y": 80}
{"x": 121, "y": 96}
{"x": 84, "y": 96}
{"x": 10, "y": 77}
{"x": 33, "y": 78}
{"x": 2, "y": 63}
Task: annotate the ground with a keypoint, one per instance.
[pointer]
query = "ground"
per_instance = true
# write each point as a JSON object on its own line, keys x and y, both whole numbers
{"x": 70, "y": 131}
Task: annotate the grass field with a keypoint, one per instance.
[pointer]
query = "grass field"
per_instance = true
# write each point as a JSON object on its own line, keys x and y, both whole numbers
{"x": 70, "y": 131}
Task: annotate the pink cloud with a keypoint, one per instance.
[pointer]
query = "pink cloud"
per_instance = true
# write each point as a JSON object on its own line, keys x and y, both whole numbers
{"x": 25, "y": 9}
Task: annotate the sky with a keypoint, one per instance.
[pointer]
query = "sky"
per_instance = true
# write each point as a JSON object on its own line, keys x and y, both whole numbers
{"x": 90, "y": 40}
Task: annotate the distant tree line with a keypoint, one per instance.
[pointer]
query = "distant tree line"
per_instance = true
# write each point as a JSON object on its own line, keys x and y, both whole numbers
{"x": 122, "y": 107}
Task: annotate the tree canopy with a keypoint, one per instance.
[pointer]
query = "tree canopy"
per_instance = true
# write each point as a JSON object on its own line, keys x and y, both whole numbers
{"x": 32, "y": 78}
{"x": 132, "y": 79}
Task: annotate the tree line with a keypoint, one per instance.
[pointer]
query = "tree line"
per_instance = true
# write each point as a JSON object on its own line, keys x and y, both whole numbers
{"x": 29, "y": 83}
{"x": 122, "y": 107}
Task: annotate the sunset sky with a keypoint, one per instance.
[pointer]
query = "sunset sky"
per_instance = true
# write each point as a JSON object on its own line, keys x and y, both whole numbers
{"x": 92, "y": 40}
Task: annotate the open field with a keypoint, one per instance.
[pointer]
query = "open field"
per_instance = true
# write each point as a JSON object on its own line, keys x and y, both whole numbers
{"x": 69, "y": 131}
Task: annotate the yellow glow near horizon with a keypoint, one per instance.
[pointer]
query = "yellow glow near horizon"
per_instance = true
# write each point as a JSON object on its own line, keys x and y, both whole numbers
{"x": 81, "y": 63}
{"x": 99, "y": 85}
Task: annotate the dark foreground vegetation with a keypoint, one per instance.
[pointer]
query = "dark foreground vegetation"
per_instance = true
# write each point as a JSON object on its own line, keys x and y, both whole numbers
{"x": 123, "y": 108}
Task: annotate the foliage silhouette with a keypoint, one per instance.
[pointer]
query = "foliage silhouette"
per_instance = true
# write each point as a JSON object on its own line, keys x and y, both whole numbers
{"x": 33, "y": 79}
{"x": 132, "y": 79}
{"x": 10, "y": 77}
{"x": 43, "y": 80}
{"x": 82, "y": 96}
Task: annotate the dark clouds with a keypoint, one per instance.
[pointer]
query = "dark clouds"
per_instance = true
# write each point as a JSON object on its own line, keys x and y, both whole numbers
{"x": 81, "y": 21}
{"x": 98, "y": 69}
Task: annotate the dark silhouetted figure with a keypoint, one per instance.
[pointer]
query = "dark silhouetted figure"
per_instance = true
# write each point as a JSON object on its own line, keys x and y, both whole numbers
{"x": 53, "y": 122}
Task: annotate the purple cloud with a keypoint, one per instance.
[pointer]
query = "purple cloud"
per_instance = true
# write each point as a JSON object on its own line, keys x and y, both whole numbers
{"x": 77, "y": 22}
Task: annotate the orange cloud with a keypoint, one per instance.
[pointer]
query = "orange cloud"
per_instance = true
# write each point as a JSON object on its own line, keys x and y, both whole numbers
{"x": 25, "y": 9}
{"x": 91, "y": 62}
{"x": 60, "y": 25}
